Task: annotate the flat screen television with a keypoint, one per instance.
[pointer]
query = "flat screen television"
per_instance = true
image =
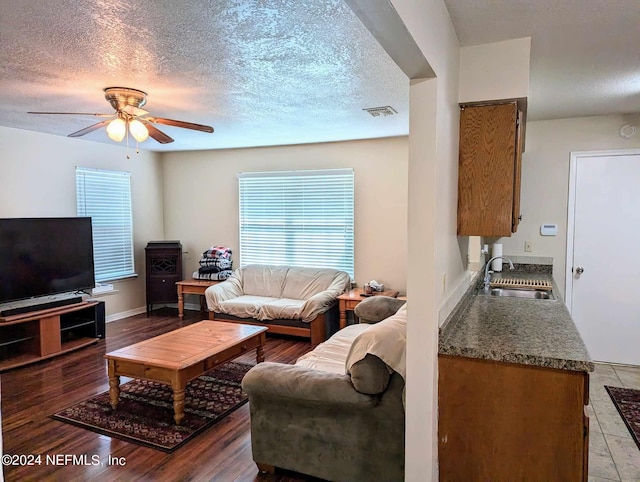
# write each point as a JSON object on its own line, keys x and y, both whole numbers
{"x": 45, "y": 256}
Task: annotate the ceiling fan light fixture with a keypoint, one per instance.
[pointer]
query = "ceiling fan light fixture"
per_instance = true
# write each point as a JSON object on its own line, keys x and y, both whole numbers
{"x": 138, "y": 130}
{"x": 116, "y": 130}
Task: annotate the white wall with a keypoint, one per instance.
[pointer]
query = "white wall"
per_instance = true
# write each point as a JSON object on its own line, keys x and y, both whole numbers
{"x": 434, "y": 248}
{"x": 498, "y": 70}
{"x": 545, "y": 180}
{"x": 38, "y": 180}
{"x": 201, "y": 198}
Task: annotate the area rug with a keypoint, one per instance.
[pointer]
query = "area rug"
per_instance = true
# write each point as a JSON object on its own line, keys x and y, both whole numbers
{"x": 627, "y": 401}
{"x": 145, "y": 410}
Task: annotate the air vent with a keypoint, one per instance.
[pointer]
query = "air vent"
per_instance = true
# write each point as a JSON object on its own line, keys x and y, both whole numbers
{"x": 383, "y": 111}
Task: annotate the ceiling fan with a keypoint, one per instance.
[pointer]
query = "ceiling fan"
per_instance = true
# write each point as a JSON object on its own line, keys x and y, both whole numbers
{"x": 130, "y": 117}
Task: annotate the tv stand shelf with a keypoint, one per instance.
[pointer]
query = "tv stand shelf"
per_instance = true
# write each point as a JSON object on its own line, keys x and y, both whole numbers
{"x": 37, "y": 335}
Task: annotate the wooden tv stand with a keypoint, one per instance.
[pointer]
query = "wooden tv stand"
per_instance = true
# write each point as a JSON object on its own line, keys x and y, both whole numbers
{"x": 37, "y": 335}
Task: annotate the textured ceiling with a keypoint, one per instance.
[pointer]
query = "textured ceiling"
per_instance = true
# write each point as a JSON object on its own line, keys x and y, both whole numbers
{"x": 585, "y": 54}
{"x": 260, "y": 72}
{"x": 270, "y": 72}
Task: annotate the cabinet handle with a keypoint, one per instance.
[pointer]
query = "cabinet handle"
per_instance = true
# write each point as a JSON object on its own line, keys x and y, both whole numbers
{"x": 164, "y": 281}
{"x": 579, "y": 270}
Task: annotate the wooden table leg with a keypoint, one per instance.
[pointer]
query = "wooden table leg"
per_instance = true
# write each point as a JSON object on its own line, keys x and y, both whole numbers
{"x": 114, "y": 385}
{"x": 178, "y": 401}
{"x": 180, "y": 303}
{"x": 343, "y": 314}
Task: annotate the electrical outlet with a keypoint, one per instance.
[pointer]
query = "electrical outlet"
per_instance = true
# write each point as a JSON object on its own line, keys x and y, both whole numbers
{"x": 528, "y": 246}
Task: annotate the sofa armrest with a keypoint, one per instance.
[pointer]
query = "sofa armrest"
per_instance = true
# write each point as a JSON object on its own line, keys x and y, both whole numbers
{"x": 277, "y": 380}
{"x": 227, "y": 290}
{"x": 319, "y": 303}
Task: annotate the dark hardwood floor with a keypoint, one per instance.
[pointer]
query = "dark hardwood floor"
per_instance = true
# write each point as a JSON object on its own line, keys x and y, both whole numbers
{"x": 31, "y": 394}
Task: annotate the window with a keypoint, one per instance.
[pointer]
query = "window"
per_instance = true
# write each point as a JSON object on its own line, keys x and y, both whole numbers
{"x": 297, "y": 218}
{"x": 106, "y": 197}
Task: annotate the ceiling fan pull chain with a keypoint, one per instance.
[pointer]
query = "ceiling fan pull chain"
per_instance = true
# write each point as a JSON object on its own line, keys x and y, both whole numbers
{"x": 127, "y": 136}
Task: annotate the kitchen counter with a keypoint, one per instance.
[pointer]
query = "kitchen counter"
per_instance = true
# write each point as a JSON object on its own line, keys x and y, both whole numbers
{"x": 514, "y": 330}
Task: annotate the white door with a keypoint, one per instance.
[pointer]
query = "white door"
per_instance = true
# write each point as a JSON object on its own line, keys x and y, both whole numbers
{"x": 605, "y": 282}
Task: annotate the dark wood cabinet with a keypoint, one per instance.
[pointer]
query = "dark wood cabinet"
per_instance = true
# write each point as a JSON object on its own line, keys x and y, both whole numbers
{"x": 164, "y": 269}
{"x": 491, "y": 145}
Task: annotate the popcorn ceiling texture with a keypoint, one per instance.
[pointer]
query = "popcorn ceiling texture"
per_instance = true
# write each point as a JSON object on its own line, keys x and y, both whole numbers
{"x": 261, "y": 72}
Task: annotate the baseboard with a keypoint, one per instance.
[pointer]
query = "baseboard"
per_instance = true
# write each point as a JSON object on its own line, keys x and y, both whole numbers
{"x": 137, "y": 311}
{"x": 126, "y": 314}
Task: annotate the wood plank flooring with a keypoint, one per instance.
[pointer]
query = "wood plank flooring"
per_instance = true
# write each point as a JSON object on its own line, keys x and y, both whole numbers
{"x": 31, "y": 394}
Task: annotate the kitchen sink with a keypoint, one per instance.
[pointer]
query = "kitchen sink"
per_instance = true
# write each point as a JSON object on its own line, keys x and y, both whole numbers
{"x": 520, "y": 293}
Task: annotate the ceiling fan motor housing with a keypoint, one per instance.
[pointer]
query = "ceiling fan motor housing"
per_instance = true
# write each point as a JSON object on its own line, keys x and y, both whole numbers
{"x": 119, "y": 97}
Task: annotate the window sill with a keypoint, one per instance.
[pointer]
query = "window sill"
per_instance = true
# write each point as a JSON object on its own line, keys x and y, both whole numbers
{"x": 103, "y": 290}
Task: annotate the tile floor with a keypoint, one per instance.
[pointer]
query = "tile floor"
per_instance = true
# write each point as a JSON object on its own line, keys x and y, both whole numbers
{"x": 613, "y": 455}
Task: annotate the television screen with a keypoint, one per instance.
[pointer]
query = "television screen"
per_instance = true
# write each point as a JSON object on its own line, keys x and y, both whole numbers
{"x": 44, "y": 256}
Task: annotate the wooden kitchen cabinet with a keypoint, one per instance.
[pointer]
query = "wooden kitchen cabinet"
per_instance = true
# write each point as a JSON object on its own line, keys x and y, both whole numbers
{"x": 491, "y": 145}
{"x": 503, "y": 422}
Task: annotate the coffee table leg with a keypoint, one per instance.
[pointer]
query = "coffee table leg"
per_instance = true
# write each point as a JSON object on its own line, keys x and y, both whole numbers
{"x": 178, "y": 386}
{"x": 114, "y": 385}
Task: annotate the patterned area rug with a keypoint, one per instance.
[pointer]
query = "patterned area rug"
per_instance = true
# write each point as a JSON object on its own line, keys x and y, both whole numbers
{"x": 145, "y": 410}
{"x": 627, "y": 401}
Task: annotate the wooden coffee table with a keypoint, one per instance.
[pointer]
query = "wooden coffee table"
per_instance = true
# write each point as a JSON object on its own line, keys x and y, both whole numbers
{"x": 179, "y": 356}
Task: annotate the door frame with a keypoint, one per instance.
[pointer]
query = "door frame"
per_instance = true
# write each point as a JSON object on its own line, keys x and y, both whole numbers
{"x": 571, "y": 209}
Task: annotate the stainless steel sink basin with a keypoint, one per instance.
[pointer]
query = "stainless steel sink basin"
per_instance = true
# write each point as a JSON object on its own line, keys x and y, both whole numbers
{"x": 520, "y": 293}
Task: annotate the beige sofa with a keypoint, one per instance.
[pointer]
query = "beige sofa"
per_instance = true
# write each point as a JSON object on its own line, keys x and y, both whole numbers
{"x": 338, "y": 413}
{"x": 289, "y": 300}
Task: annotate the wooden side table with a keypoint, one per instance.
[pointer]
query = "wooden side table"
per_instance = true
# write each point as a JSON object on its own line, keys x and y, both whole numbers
{"x": 192, "y": 287}
{"x": 349, "y": 300}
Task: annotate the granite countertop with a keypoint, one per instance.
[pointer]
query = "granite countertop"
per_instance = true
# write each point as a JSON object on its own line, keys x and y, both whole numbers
{"x": 515, "y": 330}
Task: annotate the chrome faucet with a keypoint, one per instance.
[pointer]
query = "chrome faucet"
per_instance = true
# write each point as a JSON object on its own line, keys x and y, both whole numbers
{"x": 487, "y": 273}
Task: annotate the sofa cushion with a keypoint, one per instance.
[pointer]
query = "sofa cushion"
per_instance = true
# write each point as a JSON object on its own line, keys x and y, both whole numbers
{"x": 303, "y": 283}
{"x": 330, "y": 356}
{"x": 387, "y": 340}
{"x": 263, "y": 280}
{"x": 245, "y": 306}
{"x": 281, "y": 308}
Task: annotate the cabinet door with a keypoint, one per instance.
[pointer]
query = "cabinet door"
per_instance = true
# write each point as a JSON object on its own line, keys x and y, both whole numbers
{"x": 486, "y": 171}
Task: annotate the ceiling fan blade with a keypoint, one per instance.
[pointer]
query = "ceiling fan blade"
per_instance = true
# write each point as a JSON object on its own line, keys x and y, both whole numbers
{"x": 86, "y": 130}
{"x": 158, "y": 135}
{"x": 177, "y": 123}
{"x": 134, "y": 111}
{"x": 75, "y": 113}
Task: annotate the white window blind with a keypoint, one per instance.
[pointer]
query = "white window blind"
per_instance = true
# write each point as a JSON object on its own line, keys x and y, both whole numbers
{"x": 106, "y": 197}
{"x": 297, "y": 218}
